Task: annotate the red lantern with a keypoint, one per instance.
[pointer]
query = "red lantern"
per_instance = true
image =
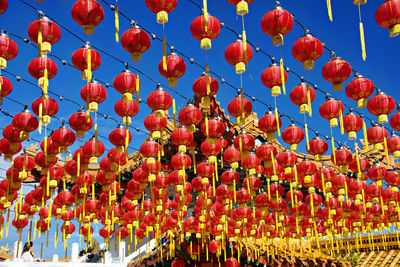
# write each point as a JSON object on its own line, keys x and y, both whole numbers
{"x": 271, "y": 77}
{"x": 120, "y": 137}
{"x": 20, "y": 223}
{"x": 376, "y": 135}
{"x": 155, "y": 125}
{"x": 159, "y": 101}
{"x": 211, "y": 149}
{"x": 343, "y": 158}
{"x": 181, "y": 161}
{"x": 126, "y": 110}
{"x": 242, "y": 6}
{"x": 250, "y": 161}
{"x": 63, "y": 137}
{"x": 277, "y": 23}
{"x": 205, "y": 29}
{"x": 24, "y": 162}
{"x": 330, "y": 110}
{"x": 25, "y": 122}
{"x": 293, "y": 135}
{"x": 360, "y": 167}
{"x": 135, "y": 41}
{"x": 269, "y": 124}
{"x": 239, "y": 56}
{"x": 393, "y": 144}
{"x": 162, "y": 8}
{"x": 388, "y": 16}
{"x": 87, "y": 13}
{"x": 393, "y": 178}
{"x": 50, "y": 32}
{"x": 377, "y": 173}
{"x": 81, "y": 123}
{"x": 12, "y": 135}
{"x": 126, "y": 83}
{"x": 6, "y": 88}
{"x": 8, "y": 50}
{"x": 51, "y": 148}
{"x": 150, "y": 149}
{"x": 240, "y": 108}
{"x": 381, "y": 105}
{"x": 395, "y": 121}
{"x": 42, "y": 67}
{"x": 176, "y": 67}
{"x": 182, "y": 138}
{"x": 303, "y": 95}
{"x": 317, "y": 147}
{"x": 93, "y": 94}
{"x": 359, "y": 89}
{"x": 204, "y": 89}
{"x": 352, "y": 124}
{"x": 232, "y": 156}
{"x": 9, "y": 150}
{"x": 93, "y": 149}
{"x": 266, "y": 151}
{"x": 244, "y": 142}
{"x": 3, "y": 6}
{"x": 215, "y": 128}
{"x": 45, "y": 108}
{"x": 336, "y": 71}
{"x": 286, "y": 159}
{"x": 190, "y": 116}
{"x": 80, "y": 60}
{"x": 307, "y": 50}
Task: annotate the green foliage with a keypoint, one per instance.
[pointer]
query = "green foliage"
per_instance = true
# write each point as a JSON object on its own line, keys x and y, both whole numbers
{"x": 353, "y": 258}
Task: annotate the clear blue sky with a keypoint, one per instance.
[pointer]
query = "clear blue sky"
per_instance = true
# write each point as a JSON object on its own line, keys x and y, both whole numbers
{"x": 341, "y": 35}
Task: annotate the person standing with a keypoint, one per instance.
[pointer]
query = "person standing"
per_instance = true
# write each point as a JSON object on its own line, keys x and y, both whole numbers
{"x": 94, "y": 251}
{"x": 27, "y": 252}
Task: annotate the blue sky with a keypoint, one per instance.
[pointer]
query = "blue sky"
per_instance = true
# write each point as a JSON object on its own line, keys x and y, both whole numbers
{"x": 341, "y": 35}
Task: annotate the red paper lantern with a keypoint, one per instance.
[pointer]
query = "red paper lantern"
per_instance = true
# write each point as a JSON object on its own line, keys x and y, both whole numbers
{"x": 240, "y": 108}
{"x": 51, "y": 33}
{"x": 359, "y": 89}
{"x": 303, "y": 95}
{"x": 317, "y": 147}
{"x": 80, "y": 122}
{"x": 12, "y": 135}
{"x": 244, "y": 142}
{"x": 307, "y": 50}
{"x": 232, "y": 156}
{"x": 210, "y": 149}
{"x": 393, "y": 144}
{"x": 381, "y": 105}
{"x": 80, "y": 60}
{"x": 150, "y": 149}
{"x": 376, "y": 135}
{"x": 9, "y": 150}
{"x": 190, "y": 116}
{"x": 293, "y": 135}
{"x": 239, "y": 56}
{"x": 20, "y": 223}
{"x": 395, "y": 121}
{"x": 388, "y": 16}
{"x": 135, "y": 41}
{"x": 3, "y": 6}
{"x": 87, "y": 13}
{"x": 215, "y": 128}
{"x": 352, "y": 123}
{"x": 63, "y": 137}
{"x": 176, "y": 67}
{"x": 343, "y": 158}
{"x": 269, "y": 124}
{"x": 126, "y": 110}
{"x": 24, "y": 162}
{"x": 330, "y": 110}
{"x": 159, "y": 101}
{"x": 250, "y": 161}
{"x": 266, "y": 151}
{"x": 181, "y": 161}
{"x": 45, "y": 108}
{"x": 205, "y": 29}
{"x": 242, "y": 7}
{"x": 126, "y": 83}
{"x": 93, "y": 149}
{"x": 6, "y": 88}
{"x": 271, "y": 77}
{"x": 336, "y": 71}
{"x": 93, "y": 94}
{"x": 162, "y": 8}
{"x": 38, "y": 66}
{"x": 204, "y": 89}
{"x": 25, "y": 122}
{"x": 155, "y": 125}
{"x": 277, "y": 23}
{"x": 8, "y": 50}
{"x": 182, "y": 138}
{"x": 120, "y": 137}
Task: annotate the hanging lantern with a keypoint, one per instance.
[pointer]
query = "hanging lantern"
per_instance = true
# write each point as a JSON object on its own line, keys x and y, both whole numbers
{"x": 176, "y": 67}
{"x": 190, "y": 116}
{"x": 277, "y": 23}
{"x": 12, "y": 135}
{"x": 25, "y": 122}
{"x": 242, "y": 6}
{"x": 135, "y": 41}
{"x": 8, "y": 50}
{"x": 45, "y": 108}
{"x": 343, "y": 158}
{"x": 239, "y": 56}
{"x": 303, "y": 95}
{"x": 63, "y": 138}
{"x": 155, "y": 125}
{"x": 287, "y": 159}
{"x": 181, "y": 161}
{"x": 269, "y": 124}
{"x": 159, "y": 101}
{"x": 293, "y": 135}
{"x": 162, "y": 8}
{"x": 80, "y": 122}
{"x": 352, "y": 124}
{"x": 126, "y": 83}
{"x": 118, "y": 137}
{"x": 387, "y": 16}
{"x": 336, "y": 71}
{"x": 182, "y": 138}
{"x": 3, "y": 6}
{"x": 80, "y": 59}
{"x": 93, "y": 94}
{"x": 50, "y": 147}
{"x": 232, "y": 156}
{"x": 213, "y": 129}
{"x": 205, "y": 30}
{"x": 87, "y": 13}
{"x": 45, "y": 33}
{"x": 359, "y": 89}
{"x": 9, "y": 150}
{"x": 94, "y": 149}
{"x": 205, "y": 89}
{"x": 271, "y": 78}
{"x": 376, "y": 135}
{"x": 244, "y": 142}
{"x": 5, "y": 88}
{"x": 307, "y": 50}
{"x": 317, "y": 147}
{"x": 126, "y": 109}
{"x": 395, "y": 120}
{"x": 381, "y": 105}
{"x": 150, "y": 149}
{"x": 330, "y": 110}
{"x": 240, "y": 108}
{"x": 43, "y": 69}
{"x": 393, "y": 144}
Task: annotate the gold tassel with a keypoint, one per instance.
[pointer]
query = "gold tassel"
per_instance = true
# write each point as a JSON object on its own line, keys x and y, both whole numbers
{"x": 205, "y": 21}
{"x": 48, "y": 183}
{"x": 137, "y": 88}
{"x": 277, "y": 122}
{"x": 386, "y": 151}
{"x": 174, "y": 111}
{"x": 93, "y": 193}
{"x": 89, "y": 65}
{"x": 365, "y": 136}
{"x": 245, "y": 47}
{"x": 283, "y": 76}
{"x": 364, "y": 52}
{"x": 328, "y": 3}
{"x": 333, "y": 149}
{"x": 40, "y": 37}
{"x": 341, "y": 120}
{"x": 40, "y": 117}
{"x": 208, "y": 79}
{"x": 309, "y": 101}
{"x": 358, "y": 162}
{"x": 165, "y": 67}
{"x": 117, "y": 22}
{"x": 34, "y": 230}
{"x": 126, "y": 141}
{"x": 95, "y": 134}
{"x": 50, "y": 209}
{"x": 307, "y": 139}
{"x": 56, "y": 238}
{"x": 206, "y": 122}
{"x": 78, "y": 163}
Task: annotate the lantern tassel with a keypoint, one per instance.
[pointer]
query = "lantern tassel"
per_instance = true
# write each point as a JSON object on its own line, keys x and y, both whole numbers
{"x": 277, "y": 122}
{"x": 117, "y": 22}
{"x": 174, "y": 111}
{"x": 89, "y": 65}
{"x": 40, "y": 37}
{"x": 328, "y": 3}
{"x": 365, "y": 136}
{"x": 386, "y": 151}
{"x": 165, "y": 67}
{"x": 282, "y": 76}
{"x": 307, "y": 138}
{"x": 245, "y": 45}
{"x": 309, "y": 101}
{"x": 362, "y": 38}
{"x": 205, "y": 22}
{"x": 341, "y": 120}
{"x": 40, "y": 117}
{"x": 333, "y": 149}
{"x": 137, "y": 88}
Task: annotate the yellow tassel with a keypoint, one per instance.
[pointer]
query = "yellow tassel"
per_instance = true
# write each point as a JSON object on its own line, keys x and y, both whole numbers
{"x": 117, "y": 24}
{"x": 208, "y": 79}
{"x": 216, "y": 169}
{"x": 277, "y": 122}
{"x": 206, "y": 122}
{"x": 40, "y": 117}
{"x": 137, "y": 88}
{"x": 20, "y": 202}
{"x": 174, "y": 111}
{"x": 89, "y": 65}
{"x": 40, "y": 37}
{"x": 165, "y": 67}
{"x": 50, "y": 209}
{"x": 273, "y": 162}
{"x": 341, "y": 120}
{"x": 365, "y": 136}
{"x": 205, "y": 21}
{"x": 34, "y": 230}
{"x": 93, "y": 193}
{"x": 386, "y": 151}
{"x": 323, "y": 183}
{"x": 126, "y": 140}
{"x": 364, "y": 52}
{"x": 245, "y": 47}
{"x": 8, "y": 222}
{"x": 309, "y": 101}
{"x": 78, "y": 163}
{"x": 358, "y": 162}
{"x": 333, "y": 149}
{"x": 283, "y": 76}
{"x": 95, "y": 134}
{"x": 328, "y": 3}
{"x": 307, "y": 139}
{"x": 48, "y": 184}
{"x": 56, "y": 238}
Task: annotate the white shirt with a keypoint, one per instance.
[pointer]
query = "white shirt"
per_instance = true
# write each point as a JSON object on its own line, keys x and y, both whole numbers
{"x": 27, "y": 257}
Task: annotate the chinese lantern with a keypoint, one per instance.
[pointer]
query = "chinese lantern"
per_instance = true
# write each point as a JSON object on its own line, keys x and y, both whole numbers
{"x": 155, "y": 125}
{"x": 359, "y": 89}
{"x": 213, "y": 129}
{"x": 126, "y": 83}
{"x": 205, "y": 29}
{"x": 343, "y": 158}
{"x": 317, "y": 147}
{"x": 293, "y": 135}
{"x": 5, "y": 88}
{"x": 80, "y": 122}
{"x": 244, "y": 142}
{"x": 159, "y": 101}
{"x": 3, "y": 6}
{"x": 182, "y": 138}
{"x": 126, "y": 110}
{"x": 242, "y": 6}
{"x": 330, "y": 110}
{"x": 269, "y": 124}
{"x": 205, "y": 87}
{"x": 265, "y": 152}
{"x": 387, "y": 16}
{"x": 271, "y": 77}
{"x": 376, "y": 135}
{"x": 9, "y": 150}
{"x": 240, "y": 108}
{"x": 393, "y": 144}
{"x": 352, "y": 124}
{"x": 381, "y": 105}
{"x": 239, "y": 56}
{"x": 150, "y": 149}
{"x": 377, "y": 173}
{"x": 25, "y": 122}
{"x": 63, "y": 137}
{"x": 307, "y": 50}
{"x": 87, "y": 13}
{"x": 12, "y": 135}
{"x": 45, "y": 108}
{"x": 8, "y": 50}
{"x": 277, "y": 23}
{"x": 232, "y": 156}
{"x": 395, "y": 120}
{"x": 45, "y": 33}
{"x": 176, "y": 67}
{"x": 162, "y": 8}
{"x": 190, "y": 116}
{"x": 336, "y": 71}
{"x": 43, "y": 69}
{"x": 287, "y": 159}
{"x": 135, "y": 41}
{"x": 80, "y": 59}
{"x": 94, "y": 149}
{"x": 120, "y": 137}
{"x": 303, "y": 95}
{"x": 93, "y": 94}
